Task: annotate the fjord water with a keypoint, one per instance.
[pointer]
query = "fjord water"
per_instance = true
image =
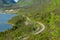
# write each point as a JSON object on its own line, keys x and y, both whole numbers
{"x": 9, "y": 1}
{"x": 3, "y": 21}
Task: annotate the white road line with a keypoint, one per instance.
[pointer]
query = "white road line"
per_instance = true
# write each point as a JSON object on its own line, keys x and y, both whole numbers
{"x": 41, "y": 30}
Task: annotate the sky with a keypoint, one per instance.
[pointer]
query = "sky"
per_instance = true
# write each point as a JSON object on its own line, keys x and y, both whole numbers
{"x": 16, "y": 0}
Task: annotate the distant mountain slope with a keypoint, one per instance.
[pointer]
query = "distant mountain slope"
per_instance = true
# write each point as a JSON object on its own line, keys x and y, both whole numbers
{"x": 32, "y": 6}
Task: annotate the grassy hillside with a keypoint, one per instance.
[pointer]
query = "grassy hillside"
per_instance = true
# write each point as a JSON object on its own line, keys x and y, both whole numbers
{"x": 47, "y": 14}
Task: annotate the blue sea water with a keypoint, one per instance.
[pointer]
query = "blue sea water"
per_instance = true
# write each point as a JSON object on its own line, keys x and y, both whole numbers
{"x": 4, "y": 27}
{"x": 3, "y": 20}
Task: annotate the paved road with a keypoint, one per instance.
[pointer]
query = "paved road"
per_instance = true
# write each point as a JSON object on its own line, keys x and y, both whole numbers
{"x": 41, "y": 30}
{"x": 38, "y": 32}
{"x": 41, "y": 24}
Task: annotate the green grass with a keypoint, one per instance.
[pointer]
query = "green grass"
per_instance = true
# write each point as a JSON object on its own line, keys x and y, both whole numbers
{"x": 50, "y": 20}
{"x": 49, "y": 16}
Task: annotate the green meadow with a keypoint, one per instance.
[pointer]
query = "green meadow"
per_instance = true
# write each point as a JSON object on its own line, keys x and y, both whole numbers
{"x": 46, "y": 13}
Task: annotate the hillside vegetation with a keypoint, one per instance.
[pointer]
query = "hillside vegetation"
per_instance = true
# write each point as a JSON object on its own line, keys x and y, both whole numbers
{"x": 47, "y": 13}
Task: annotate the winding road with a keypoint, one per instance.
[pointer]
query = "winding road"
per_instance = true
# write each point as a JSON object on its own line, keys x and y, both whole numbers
{"x": 36, "y": 33}
{"x": 41, "y": 24}
{"x": 41, "y": 30}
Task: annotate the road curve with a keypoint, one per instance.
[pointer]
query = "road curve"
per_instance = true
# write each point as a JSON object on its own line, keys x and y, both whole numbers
{"x": 38, "y": 32}
{"x": 41, "y": 30}
{"x": 41, "y": 24}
